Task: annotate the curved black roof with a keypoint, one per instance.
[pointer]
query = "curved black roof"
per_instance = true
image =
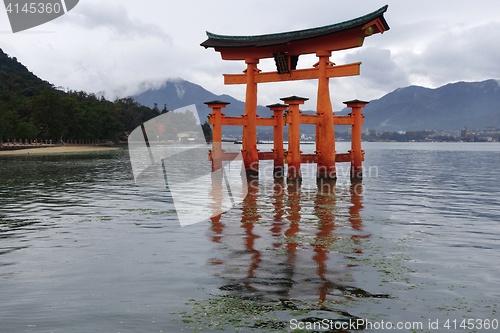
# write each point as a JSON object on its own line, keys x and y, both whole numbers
{"x": 224, "y": 41}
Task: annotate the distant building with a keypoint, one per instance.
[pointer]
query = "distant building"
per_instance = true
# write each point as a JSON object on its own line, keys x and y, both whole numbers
{"x": 364, "y": 130}
{"x": 188, "y": 136}
{"x": 463, "y": 133}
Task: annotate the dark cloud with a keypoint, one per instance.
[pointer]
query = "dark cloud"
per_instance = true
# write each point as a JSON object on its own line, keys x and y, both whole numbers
{"x": 379, "y": 67}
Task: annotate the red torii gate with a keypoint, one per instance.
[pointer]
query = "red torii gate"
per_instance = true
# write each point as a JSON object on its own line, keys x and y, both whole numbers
{"x": 286, "y": 48}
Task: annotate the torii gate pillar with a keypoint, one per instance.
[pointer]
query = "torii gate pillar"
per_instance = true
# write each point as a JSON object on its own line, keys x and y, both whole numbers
{"x": 356, "y": 152}
{"x": 293, "y": 156}
{"x": 325, "y": 133}
{"x": 216, "y": 120}
{"x": 249, "y": 140}
{"x": 279, "y": 163}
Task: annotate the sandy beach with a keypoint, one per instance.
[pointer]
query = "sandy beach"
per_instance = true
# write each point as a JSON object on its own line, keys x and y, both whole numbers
{"x": 55, "y": 150}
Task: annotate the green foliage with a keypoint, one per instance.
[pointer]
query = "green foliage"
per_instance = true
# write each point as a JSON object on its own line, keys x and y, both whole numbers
{"x": 131, "y": 114}
{"x": 207, "y": 131}
{"x": 31, "y": 108}
{"x": 27, "y": 130}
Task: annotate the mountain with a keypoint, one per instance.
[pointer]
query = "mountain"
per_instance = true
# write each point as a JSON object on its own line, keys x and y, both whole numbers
{"x": 15, "y": 78}
{"x": 176, "y": 93}
{"x": 33, "y": 109}
{"x": 450, "y": 107}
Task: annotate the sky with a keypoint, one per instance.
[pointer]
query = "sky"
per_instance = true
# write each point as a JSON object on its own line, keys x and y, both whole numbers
{"x": 123, "y": 47}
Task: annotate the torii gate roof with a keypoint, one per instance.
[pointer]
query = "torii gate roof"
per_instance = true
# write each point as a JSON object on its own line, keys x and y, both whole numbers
{"x": 330, "y": 37}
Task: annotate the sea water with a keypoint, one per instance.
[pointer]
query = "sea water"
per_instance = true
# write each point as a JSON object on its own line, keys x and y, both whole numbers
{"x": 414, "y": 244}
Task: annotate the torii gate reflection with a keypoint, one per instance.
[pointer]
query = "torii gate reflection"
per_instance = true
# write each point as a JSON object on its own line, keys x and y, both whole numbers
{"x": 283, "y": 245}
{"x": 281, "y": 248}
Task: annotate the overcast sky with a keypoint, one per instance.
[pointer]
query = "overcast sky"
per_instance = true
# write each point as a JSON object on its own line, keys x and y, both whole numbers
{"x": 117, "y": 45}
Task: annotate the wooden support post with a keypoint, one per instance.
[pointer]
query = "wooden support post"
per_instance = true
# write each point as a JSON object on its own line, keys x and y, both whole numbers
{"x": 356, "y": 152}
{"x": 325, "y": 133}
{"x": 249, "y": 140}
{"x": 293, "y": 155}
{"x": 215, "y": 119}
{"x": 279, "y": 164}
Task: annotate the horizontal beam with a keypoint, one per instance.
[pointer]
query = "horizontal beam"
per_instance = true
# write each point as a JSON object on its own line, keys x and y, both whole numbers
{"x": 309, "y": 158}
{"x": 315, "y": 119}
{"x": 343, "y": 120}
{"x": 343, "y": 157}
{"x": 229, "y": 156}
{"x": 266, "y": 122}
{"x": 262, "y": 156}
{"x": 307, "y": 119}
{"x": 305, "y": 158}
{"x": 242, "y": 121}
{"x": 238, "y": 121}
{"x": 304, "y": 119}
{"x": 313, "y": 158}
{"x": 297, "y": 74}
{"x": 271, "y": 155}
{"x": 339, "y": 41}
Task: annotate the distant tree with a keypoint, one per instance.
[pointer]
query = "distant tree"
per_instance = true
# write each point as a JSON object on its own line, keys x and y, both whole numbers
{"x": 8, "y": 119}
{"x": 164, "y": 110}
{"x": 27, "y": 130}
{"x": 207, "y": 131}
{"x": 32, "y": 108}
{"x": 48, "y": 113}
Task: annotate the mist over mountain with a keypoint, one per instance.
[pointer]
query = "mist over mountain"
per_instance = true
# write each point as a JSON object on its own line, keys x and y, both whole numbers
{"x": 34, "y": 109}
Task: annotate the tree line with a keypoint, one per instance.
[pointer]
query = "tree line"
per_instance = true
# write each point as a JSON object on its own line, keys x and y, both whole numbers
{"x": 60, "y": 116}
{"x": 33, "y": 109}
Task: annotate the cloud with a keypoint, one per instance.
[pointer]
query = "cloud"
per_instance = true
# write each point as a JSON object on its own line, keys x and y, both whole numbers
{"x": 114, "y": 17}
{"x": 459, "y": 55}
{"x": 379, "y": 67}
{"x": 115, "y": 45}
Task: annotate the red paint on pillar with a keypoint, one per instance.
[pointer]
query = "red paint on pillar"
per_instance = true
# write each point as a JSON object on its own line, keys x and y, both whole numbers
{"x": 249, "y": 140}
{"x": 356, "y": 152}
{"x": 293, "y": 155}
{"x": 279, "y": 163}
{"x": 215, "y": 119}
{"x": 325, "y": 133}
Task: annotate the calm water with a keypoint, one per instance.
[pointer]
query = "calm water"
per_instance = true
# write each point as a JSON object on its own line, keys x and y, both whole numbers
{"x": 83, "y": 249}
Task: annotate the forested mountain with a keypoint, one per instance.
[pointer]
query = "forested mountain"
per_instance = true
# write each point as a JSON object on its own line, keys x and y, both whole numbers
{"x": 178, "y": 93}
{"x": 450, "y": 107}
{"x": 31, "y": 108}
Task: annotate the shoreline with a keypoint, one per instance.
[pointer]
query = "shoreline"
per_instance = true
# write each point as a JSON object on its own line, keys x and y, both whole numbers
{"x": 55, "y": 150}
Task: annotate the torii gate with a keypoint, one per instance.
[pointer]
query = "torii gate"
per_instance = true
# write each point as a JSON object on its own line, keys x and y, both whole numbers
{"x": 286, "y": 48}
